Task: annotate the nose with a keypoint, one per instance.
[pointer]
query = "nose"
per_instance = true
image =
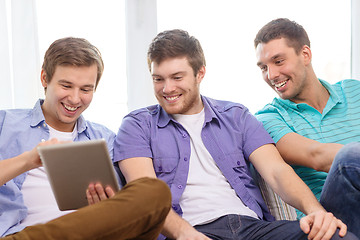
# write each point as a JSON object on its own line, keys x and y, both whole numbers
{"x": 272, "y": 73}
{"x": 169, "y": 86}
{"x": 74, "y": 96}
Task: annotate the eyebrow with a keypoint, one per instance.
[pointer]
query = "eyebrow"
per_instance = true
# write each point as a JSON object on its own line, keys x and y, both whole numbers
{"x": 272, "y": 58}
{"x": 177, "y": 73}
{"x": 70, "y": 83}
{"x": 276, "y": 56}
{"x": 173, "y": 74}
{"x": 259, "y": 64}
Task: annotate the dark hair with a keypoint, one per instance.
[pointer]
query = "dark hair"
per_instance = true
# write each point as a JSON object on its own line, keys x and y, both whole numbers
{"x": 176, "y": 43}
{"x": 72, "y": 51}
{"x": 295, "y": 35}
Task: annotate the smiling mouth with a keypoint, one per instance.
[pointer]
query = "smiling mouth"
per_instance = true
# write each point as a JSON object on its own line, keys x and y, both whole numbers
{"x": 69, "y": 108}
{"x": 280, "y": 84}
{"x": 172, "y": 98}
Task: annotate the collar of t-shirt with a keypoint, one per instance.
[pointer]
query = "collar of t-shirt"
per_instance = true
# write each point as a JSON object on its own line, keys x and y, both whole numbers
{"x": 63, "y": 136}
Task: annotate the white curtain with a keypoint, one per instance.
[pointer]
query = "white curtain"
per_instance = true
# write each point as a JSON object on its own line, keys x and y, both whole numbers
{"x": 141, "y": 28}
{"x": 19, "y": 54}
{"x": 355, "y": 39}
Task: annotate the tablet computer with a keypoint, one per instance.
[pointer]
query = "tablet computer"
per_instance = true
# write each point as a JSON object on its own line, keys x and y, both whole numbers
{"x": 71, "y": 167}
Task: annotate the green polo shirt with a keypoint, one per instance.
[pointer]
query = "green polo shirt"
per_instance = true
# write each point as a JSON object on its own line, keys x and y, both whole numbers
{"x": 339, "y": 123}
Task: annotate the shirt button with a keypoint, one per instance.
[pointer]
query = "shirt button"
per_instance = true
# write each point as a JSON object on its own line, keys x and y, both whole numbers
{"x": 160, "y": 168}
{"x": 44, "y": 124}
{"x": 174, "y": 207}
{"x": 185, "y": 159}
{"x": 184, "y": 135}
{"x": 43, "y": 140}
{"x": 180, "y": 186}
{"x": 238, "y": 162}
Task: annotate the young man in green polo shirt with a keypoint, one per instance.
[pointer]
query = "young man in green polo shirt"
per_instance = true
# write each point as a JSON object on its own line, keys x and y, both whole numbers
{"x": 312, "y": 120}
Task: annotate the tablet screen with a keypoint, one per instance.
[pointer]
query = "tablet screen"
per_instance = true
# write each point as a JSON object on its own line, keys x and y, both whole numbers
{"x": 71, "y": 167}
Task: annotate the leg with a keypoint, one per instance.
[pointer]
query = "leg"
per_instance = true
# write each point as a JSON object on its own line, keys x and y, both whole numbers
{"x": 138, "y": 211}
{"x": 232, "y": 227}
{"x": 341, "y": 191}
{"x": 243, "y": 227}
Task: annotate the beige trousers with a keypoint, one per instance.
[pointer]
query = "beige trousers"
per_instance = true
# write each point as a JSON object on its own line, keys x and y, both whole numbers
{"x": 138, "y": 211}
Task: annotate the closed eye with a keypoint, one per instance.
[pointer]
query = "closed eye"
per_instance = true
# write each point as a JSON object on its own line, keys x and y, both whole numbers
{"x": 278, "y": 62}
{"x": 87, "y": 90}
{"x": 263, "y": 68}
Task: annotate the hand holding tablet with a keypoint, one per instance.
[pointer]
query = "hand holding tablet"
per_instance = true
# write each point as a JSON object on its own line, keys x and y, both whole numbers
{"x": 71, "y": 167}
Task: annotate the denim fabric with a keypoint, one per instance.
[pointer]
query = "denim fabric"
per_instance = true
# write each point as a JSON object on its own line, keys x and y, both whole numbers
{"x": 233, "y": 227}
{"x": 341, "y": 191}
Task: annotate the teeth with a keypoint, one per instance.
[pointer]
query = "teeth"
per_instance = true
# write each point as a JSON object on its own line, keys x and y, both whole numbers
{"x": 281, "y": 84}
{"x": 70, "y": 108}
{"x": 172, "y": 98}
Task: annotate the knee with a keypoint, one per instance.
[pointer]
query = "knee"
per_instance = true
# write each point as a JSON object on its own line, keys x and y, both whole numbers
{"x": 161, "y": 189}
{"x": 350, "y": 153}
{"x": 348, "y": 236}
{"x": 154, "y": 190}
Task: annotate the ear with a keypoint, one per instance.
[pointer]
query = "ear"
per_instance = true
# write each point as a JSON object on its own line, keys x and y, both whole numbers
{"x": 201, "y": 74}
{"x": 307, "y": 55}
{"x": 43, "y": 79}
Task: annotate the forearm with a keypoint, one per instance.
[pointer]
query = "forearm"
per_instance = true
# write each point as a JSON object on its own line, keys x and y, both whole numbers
{"x": 323, "y": 154}
{"x": 301, "y": 151}
{"x": 283, "y": 179}
{"x": 12, "y": 167}
{"x": 295, "y": 192}
{"x": 174, "y": 225}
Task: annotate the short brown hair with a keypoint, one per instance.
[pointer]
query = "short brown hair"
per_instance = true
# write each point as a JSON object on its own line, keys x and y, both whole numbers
{"x": 295, "y": 35}
{"x": 176, "y": 43}
{"x": 72, "y": 51}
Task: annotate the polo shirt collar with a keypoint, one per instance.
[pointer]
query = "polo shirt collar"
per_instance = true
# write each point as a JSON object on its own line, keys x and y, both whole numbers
{"x": 333, "y": 95}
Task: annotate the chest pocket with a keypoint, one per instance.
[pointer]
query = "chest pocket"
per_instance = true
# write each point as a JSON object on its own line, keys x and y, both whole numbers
{"x": 165, "y": 168}
{"x": 236, "y": 160}
{"x": 240, "y": 166}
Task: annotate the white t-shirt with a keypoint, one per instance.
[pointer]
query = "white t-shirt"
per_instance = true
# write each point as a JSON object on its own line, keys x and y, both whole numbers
{"x": 37, "y": 192}
{"x": 207, "y": 195}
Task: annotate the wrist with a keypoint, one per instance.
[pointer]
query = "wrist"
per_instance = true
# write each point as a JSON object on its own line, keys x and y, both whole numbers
{"x": 26, "y": 161}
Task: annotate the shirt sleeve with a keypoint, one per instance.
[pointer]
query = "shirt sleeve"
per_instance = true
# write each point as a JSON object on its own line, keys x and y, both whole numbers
{"x": 133, "y": 139}
{"x": 274, "y": 122}
{"x": 255, "y": 135}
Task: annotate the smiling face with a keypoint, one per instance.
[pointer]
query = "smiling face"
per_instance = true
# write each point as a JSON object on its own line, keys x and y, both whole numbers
{"x": 176, "y": 87}
{"x": 67, "y": 95}
{"x": 283, "y": 69}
